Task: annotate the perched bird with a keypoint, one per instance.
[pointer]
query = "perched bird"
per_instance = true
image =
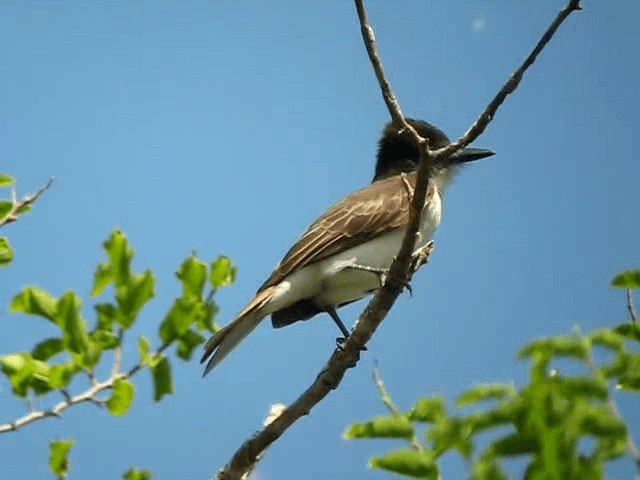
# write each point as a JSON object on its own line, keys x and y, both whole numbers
{"x": 342, "y": 256}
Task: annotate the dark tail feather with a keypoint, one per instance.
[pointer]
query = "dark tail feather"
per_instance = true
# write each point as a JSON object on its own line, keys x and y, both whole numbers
{"x": 228, "y": 337}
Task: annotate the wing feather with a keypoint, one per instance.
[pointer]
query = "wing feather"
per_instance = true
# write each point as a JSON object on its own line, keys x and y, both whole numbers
{"x": 365, "y": 214}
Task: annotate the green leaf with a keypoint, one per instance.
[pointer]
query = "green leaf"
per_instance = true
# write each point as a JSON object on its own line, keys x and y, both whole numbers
{"x": 411, "y": 463}
{"x": 599, "y": 422}
{"x": 501, "y": 415}
{"x": 573, "y": 387}
{"x": 381, "y": 427}
{"x": 512, "y": 445}
{"x": 47, "y": 349}
{"x": 450, "y": 433}
{"x": 560, "y": 346}
{"x": 223, "y": 272}
{"x": 18, "y": 367}
{"x": 606, "y": 337}
{"x": 206, "y": 321}
{"x": 630, "y": 383}
{"x": 135, "y": 474}
{"x": 485, "y": 391}
{"x": 183, "y": 313}
{"x": 61, "y": 375}
{"x": 6, "y": 180}
{"x": 132, "y": 296}
{"x": 187, "y": 343}
{"x": 428, "y": 410}
{"x": 101, "y": 278}
{"x": 143, "y": 351}
{"x": 121, "y": 397}
{"x": 58, "y": 457}
{"x": 627, "y": 279}
{"x": 41, "y": 377}
{"x": 192, "y": 274}
{"x": 629, "y": 330}
{"x": 162, "y": 381}
{"x": 609, "y": 448}
{"x": 34, "y": 301}
{"x": 74, "y": 328}
{"x": 6, "y": 254}
{"x": 107, "y": 314}
{"x": 486, "y": 468}
{"x": 104, "y": 340}
{"x": 5, "y": 208}
{"x": 120, "y": 255}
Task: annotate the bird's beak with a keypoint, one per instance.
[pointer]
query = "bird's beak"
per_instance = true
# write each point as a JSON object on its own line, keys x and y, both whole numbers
{"x": 470, "y": 154}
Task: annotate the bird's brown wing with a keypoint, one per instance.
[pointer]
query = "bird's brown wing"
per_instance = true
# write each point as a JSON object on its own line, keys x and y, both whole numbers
{"x": 357, "y": 218}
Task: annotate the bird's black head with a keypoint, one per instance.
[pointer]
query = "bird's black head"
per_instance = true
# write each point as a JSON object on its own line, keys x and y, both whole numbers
{"x": 397, "y": 152}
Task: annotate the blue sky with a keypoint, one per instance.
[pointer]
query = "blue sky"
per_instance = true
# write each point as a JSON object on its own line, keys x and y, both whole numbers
{"x": 189, "y": 124}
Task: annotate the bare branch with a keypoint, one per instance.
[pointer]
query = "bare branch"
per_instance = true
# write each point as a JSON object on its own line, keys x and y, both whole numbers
{"x": 90, "y": 395}
{"x": 631, "y": 308}
{"x": 384, "y": 395}
{"x": 487, "y": 115}
{"x": 372, "y": 50}
{"x": 117, "y": 355}
{"x": 328, "y": 379}
{"x": 12, "y": 216}
{"x": 401, "y": 269}
{"x": 386, "y": 400}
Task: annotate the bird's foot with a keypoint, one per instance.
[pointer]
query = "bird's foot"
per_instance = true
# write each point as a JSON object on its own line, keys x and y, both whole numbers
{"x": 410, "y": 190}
{"x": 340, "y": 341}
{"x": 381, "y": 272}
{"x": 421, "y": 256}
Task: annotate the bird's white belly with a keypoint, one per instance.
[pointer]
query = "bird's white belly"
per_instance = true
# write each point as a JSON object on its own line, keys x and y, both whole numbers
{"x": 338, "y": 280}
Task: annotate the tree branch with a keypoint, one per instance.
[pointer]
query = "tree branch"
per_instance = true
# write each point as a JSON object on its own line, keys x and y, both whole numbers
{"x": 479, "y": 126}
{"x": 12, "y": 216}
{"x": 89, "y": 395}
{"x": 631, "y": 308}
{"x": 388, "y": 402}
{"x": 400, "y": 272}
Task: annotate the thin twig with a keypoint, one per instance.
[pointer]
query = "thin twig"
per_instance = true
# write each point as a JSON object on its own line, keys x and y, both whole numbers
{"x": 372, "y": 50}
{"x": 92, "y": 377}
{"x": 386, "y": 400}
{"x": 478, "y": 127}
{"x": 384, "y": 395}
{"x": 631, "y": 308}
{"x": 400, "y": 273}
{"x": 12, "y": 216}
{"x": 117, "y": 354}
{"x": 31, "y": 404}
{"x": 613, "y": 409}
{"x": 89, "y": 395}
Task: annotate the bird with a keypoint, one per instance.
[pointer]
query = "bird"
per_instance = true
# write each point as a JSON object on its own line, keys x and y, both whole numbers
{"x": 343, "y": 255}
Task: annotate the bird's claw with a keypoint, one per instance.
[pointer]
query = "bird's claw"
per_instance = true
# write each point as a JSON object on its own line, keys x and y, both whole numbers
{"x": 340, "y": 341}
{"x": 409, "y": 289}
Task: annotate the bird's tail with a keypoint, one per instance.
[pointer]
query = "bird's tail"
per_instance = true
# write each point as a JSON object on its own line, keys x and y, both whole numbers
{"x": 228, "y": 337}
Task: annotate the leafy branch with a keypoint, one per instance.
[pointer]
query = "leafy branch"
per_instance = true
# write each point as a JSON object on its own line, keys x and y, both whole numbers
{"x": 77, "y": 350}
{"x": 11, "y": 209}
{"x": 544, "y": 421}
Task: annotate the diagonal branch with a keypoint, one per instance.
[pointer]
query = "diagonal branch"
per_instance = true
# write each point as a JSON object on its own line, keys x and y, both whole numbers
{"x": 388, "y": 402}
{"x": 89, "y": 395}
{"x": 400, "y": 273}
{"x": 631, "y": 308}
{"x": 479, "y": 126}
{"x": 12, "y": 216}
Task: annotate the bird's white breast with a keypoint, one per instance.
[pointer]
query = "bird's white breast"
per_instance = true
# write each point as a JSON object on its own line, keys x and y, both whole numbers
{"x": 337, "y": 280}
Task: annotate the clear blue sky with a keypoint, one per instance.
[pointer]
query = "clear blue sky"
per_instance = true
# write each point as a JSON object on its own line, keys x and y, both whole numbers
{"x": 187, "y": 124}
